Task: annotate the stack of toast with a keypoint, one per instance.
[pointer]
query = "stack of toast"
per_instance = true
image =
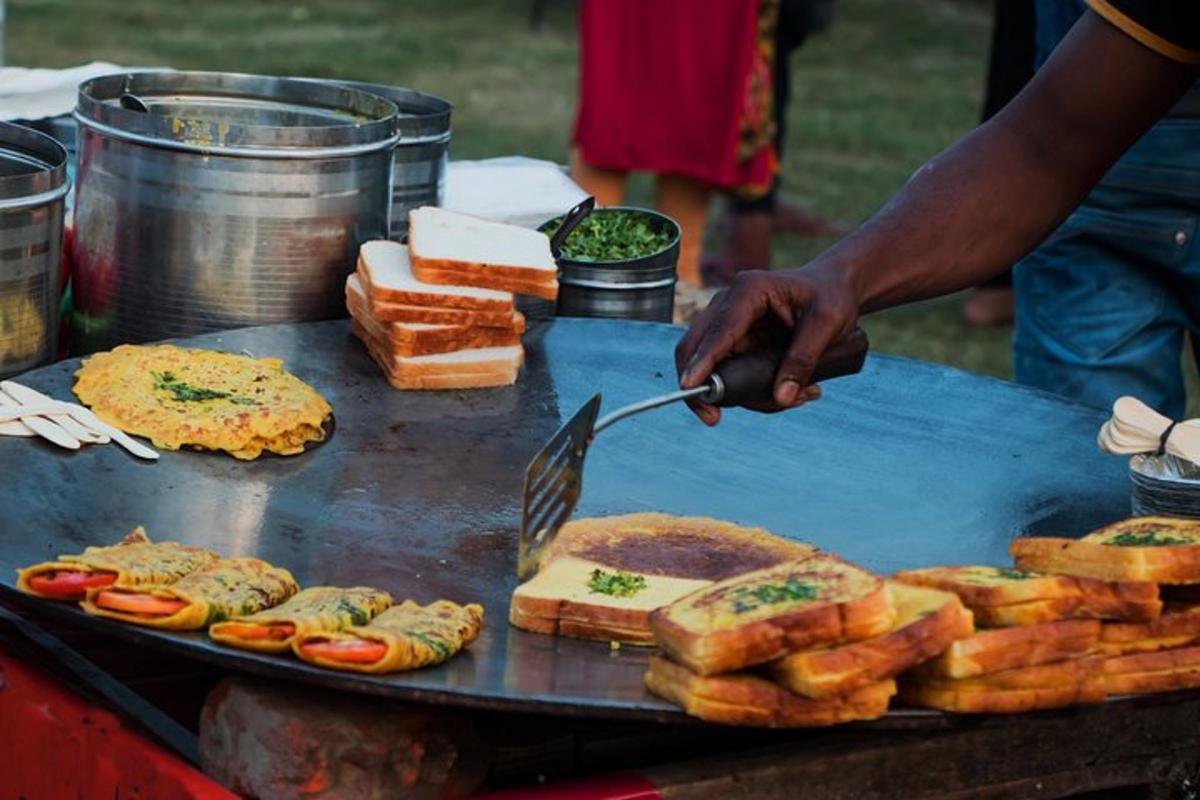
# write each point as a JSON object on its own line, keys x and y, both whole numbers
{"x": 811, "y": 642}
{"x": 439, "y": 313}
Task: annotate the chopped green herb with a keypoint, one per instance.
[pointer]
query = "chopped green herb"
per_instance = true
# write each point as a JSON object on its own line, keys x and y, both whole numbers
{"x": 747, "y": 599}
{"x": 1014, "y": 574}
{"x": 613, "y": 236}
{"x": 616, "y": 584}
{"x": 185, "y": 393}
{"x": 1149, "y": 537}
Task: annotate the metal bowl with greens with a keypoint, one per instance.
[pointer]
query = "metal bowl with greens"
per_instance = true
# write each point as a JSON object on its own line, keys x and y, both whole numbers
{"x": 613, "y": 235}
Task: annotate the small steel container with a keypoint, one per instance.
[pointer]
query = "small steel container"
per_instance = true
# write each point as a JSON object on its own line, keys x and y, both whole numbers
{"x": 33, "y": 185}
{"x": 230, "y": 200}
{"x": 1164, "y": 485}
{"x": 636, "y": 289}
{"x": 419, "y": 160}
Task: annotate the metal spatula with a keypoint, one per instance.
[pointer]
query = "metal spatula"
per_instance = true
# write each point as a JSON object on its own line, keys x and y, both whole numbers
{"x": 554, "y": 478}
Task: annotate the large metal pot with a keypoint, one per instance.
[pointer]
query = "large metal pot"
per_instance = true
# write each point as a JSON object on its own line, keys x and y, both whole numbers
{"x": 231, "y": 200}
{"x": 419, "y": 161}
{"x": 33, "y": 183}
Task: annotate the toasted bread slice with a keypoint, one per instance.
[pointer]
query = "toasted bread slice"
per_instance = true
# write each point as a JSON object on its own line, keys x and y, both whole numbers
{"x": 992, "y": 586}
{"x": 1039, "y": 611}
{"x": 476, "y": 252}
{"x": 1001, "y": 597}
{"x": 699, "y": 548}
{"x": 1055, "y": 674}
{"x": 927, "y": 621}
{"x": 423, "y": 339}
{"x": 766, "y": 614}
{"x": 1177, "y": 619}
{"x": 1144, "y": 645}
{"x": 1000, "y": 701}
{"x": 1161, "y": 671}
{"x": 750, "y": 700}
{"x": 1157, "y": 549}
{"x": 387, "y": 269}
{"x": 1008, "y": 648}
{"x": 571, "y": 596}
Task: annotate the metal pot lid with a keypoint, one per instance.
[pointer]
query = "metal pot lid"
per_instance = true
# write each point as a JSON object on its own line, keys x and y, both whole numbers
{"x": 230, "y": 114}
{"x": 33, "y": 167}
{"x": 423, "y": 117}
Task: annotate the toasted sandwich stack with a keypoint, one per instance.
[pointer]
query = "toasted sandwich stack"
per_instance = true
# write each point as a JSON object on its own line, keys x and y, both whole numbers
{"x": 1137, "y": 655}
{"x": 1040, "y": 644}
{"x": 815, "y": 641}
{"x": 439, "y": 313}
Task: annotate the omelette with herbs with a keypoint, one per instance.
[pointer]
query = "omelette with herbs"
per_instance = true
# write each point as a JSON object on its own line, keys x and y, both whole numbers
{"x": 184, "y": 397}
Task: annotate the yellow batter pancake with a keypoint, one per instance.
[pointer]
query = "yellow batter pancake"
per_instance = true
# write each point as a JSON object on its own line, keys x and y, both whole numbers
{"x": 185, "y": 397}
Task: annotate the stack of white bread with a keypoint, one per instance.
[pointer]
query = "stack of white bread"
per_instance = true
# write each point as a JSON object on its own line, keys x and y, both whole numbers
{"x": 439, "y": 313}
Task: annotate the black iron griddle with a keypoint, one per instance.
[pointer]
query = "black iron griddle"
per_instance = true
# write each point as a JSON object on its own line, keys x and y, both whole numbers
{"x": 906, "y": 465}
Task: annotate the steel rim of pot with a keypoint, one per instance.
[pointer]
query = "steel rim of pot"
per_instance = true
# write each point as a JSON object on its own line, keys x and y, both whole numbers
{"x": 628, "y": 264}
{"x": 583, "y": 283}
{"x": 424, "y": 118}
{"x": 46, "y": 182}
{"x": 98, "y": 110}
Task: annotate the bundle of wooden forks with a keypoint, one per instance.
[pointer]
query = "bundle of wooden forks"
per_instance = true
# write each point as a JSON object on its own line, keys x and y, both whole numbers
{"x": 27, "y": 412}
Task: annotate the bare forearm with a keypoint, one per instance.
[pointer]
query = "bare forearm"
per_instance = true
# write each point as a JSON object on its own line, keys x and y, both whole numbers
{"x": 978, "y": 207}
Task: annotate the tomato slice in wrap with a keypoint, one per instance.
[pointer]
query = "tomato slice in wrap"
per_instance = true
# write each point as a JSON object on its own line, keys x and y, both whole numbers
{"x": 70, "y": 583}
{"x": 353, "y": 651}
{"x": 144, "y": 604}
{"x": 251, "y": 630}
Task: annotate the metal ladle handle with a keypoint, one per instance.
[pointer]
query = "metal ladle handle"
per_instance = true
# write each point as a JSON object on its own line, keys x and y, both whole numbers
{"x": 570, "y": 221}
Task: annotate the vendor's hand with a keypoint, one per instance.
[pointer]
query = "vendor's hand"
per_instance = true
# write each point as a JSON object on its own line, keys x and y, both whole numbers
{"x": 804, "y": 311}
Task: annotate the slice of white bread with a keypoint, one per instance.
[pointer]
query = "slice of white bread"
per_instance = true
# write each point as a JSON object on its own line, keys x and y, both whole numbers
{"x": 744, "y": 699}
{"x": 419, "y": 338}
{"x": 389, "y": 273}
{"x": 446, "y": 246}
{"x": 1155, "y": 549}
{"x": 927, "y": 622}
{"x": 1008, "y": 648}
{"x": 764, "y": 615}
{"x": 432, "y": 315}
{"x": 1179, "y": 625}
{"x": 463, "y": 369}
{"x": 566, "y": 597}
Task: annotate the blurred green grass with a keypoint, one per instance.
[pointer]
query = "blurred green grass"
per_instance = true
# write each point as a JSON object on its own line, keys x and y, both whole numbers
{"x": 887, "y": 87}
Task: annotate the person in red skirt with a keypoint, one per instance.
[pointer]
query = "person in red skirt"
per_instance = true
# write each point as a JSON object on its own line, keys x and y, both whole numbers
{"x": 682, "y": 90}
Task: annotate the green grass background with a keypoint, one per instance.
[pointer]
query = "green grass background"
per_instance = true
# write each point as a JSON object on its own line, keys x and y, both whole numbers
{"x": 887, "y": 87}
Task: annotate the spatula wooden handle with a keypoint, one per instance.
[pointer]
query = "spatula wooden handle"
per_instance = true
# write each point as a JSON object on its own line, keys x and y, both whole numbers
{"x": 750, "y": 379}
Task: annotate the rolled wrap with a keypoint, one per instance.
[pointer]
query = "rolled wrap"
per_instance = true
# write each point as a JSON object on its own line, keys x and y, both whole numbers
{"x": 320, "y": 609}
{"x": 227, "y": 588}
{"x": 135, "y": 559}
{"x": 416, "y": 636}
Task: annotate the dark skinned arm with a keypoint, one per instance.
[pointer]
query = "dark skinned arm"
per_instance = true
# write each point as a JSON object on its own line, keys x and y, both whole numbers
{"x": 965, "y": 216}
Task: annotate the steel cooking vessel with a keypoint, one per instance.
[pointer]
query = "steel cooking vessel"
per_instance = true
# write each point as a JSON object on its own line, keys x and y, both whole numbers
{"x": 641, "y": 288}
{"x": 33, "y": 183}
{"x": 419, "y": 160}
{"x": 231, "y": 200}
